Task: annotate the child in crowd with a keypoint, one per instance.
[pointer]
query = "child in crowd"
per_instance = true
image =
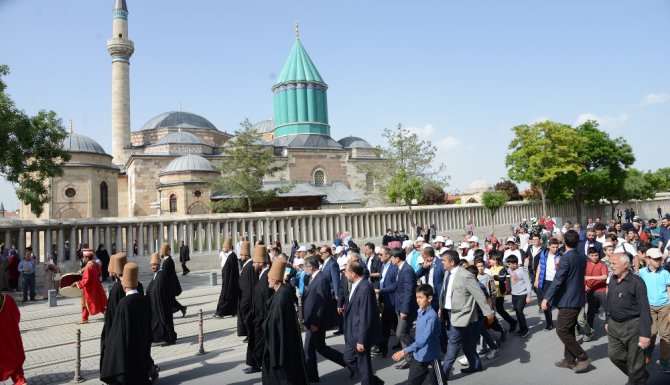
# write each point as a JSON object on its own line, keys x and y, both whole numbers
{"x": 521, "y": 292}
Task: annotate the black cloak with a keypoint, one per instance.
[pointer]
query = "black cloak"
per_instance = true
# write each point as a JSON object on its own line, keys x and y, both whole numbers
{"x": 116, "y": 294}
{"x": 248, "y": 279}
{"x": 127, "y": 358}
{"x": 256, "y": 346}
{"x": 230, "y": 287}
{"x": 283, "y": 358}
{"x": 162, "y": 323}
{"x": 171, "y": 273}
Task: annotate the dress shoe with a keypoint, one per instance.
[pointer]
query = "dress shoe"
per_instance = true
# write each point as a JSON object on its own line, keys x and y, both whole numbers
{"x": 245, "y": 340}
{"x": 251, "y": 370}
{"x": 183, "y": 311}
{"x": 565, "y": 364}
{"x": 549, "y": 327}
{"x": 402, "y": 366}
{"x": 582, "y": 366}
{"x": 471, "y": 370}
{"x": 377, "y": 381}
{"x": 338, "y": 332}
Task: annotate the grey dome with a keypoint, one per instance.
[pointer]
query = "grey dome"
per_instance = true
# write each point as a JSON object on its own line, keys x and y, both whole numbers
{"x": 80, "y": 143}
{"x": 178, "y": 119}
{"x": 354, "y": 142}
{"x": 189, "y": 163}
{"x": 265, "y": 126}
{"x": 179, "y": 137}
{"x": 306, "y": 141}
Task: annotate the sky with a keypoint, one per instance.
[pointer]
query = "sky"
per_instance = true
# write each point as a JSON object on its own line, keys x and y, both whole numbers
{"x": 460, "y": 74}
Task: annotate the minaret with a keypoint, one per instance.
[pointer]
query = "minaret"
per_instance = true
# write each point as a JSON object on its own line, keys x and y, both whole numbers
{"x": 120, "y": 48}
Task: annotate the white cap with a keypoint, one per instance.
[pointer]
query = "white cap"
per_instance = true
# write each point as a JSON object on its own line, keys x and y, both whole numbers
{"x": 298, "y": 261}
{"x": 439, "y": 238}
{"x": 448, "y": 242}
{"x": 420, "y": 239}
{"x": 511, "y": 239}
{"x": 339, "y": 249}
{"x": 302, "y": 249}
{"x": 609, "y": 244}
{"x": 443, "y": 250}
{"x": 342, "y": 261}
{"x": 426, "y": 246}
{"x": 377, "y": 249}
{"x": 473, "y": 239}
{"x": 407, "y": 243}
{"x": 654, "y": 253}
{"x": 463, "y": 245}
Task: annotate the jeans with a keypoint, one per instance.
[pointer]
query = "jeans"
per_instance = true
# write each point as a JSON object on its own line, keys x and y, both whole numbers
{"x": 594, "y": 301}
{"x": 519, "y": 303}
{"x": 540, "y": 297}
{"x": 28, "y": 282}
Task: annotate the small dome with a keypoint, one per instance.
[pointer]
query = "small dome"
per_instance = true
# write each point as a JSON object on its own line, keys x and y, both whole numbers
{"x": 265, "y": 126}
{"x": 179, "y": 137}
{"x": 189, "y": 163}
{"x": 80, "y": 143}
{"x": 178, "y": 119}
{"x": 478, "y": 186}
{"x": 354, "y": 142}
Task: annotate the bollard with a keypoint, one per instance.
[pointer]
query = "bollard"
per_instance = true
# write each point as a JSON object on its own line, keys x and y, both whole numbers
{"x": 201, "y": 337}
{"x": 77, "y": 362}
{"x": 52, "y": 298}
{"x": 212, "y": 278}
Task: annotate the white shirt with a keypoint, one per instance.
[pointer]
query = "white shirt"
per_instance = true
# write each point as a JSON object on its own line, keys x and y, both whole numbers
{"x": 625, "y": 246}
{"x": 353, "y": 288}
{"x": 385, "y": 268}
{"x": 224, "y": 257}
{"x": 471, "y": 255}
{"x": 523, "y": 241}
{"x": 509, "y": 252}
{"x": 602, "y": 239}
{"x": 246, "y": 262}
{"x": 450, "y": 288}
{"x": 133, "y": 291}
{"x": 550, "y": 270}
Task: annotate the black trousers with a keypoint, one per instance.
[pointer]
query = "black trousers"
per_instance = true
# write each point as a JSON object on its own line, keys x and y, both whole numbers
{"x": 594, "y": 301}
{"x": 389, "y": 322}
{"x": 624, "y": 352}
{"x": 256, "y": 345}
{"x": 316, "y": 342}
{"x": 500, "y": 309}
{"x": 359, "y": 362}
{"x": 184, "y": 269}
{"x": 176, "y": 306}
{"x": 519, "y": 303}
{"x": 565, "y": 329}
{"x": 418, "y": 371}
{"x": 540, "y": 296}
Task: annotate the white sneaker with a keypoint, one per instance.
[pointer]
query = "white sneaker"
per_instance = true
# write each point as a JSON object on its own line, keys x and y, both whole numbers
{"x": 463, "y": 361}
{"x": 493, "y": 353}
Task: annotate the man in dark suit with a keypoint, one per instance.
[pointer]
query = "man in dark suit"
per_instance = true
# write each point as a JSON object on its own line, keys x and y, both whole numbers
{"x": 373, "y": 263}
{"x": 184, "y": 256}
{"x": 361, "y": 325}
{"x": 405, "y": 305}
{"x": 567, "y": 294}
{"x": 320, "y": 315}
{"x": 589, "y": 242}
{"x": 389, "y": 273}
{"x": 433, "y": 272}
{"x": 331, "y": 270}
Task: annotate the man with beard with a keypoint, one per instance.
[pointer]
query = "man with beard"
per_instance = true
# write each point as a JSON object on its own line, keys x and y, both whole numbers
{"x": 93, "y": 300}
{"x": 283, "y": 357}
{"x": 259, "y": 297}
{"x": 160, "y": 296}
{"x": 248, "y": 279}
{"x": 168, "y": 267}
{"x": 230, "y": 278}
{"x": 127, "y": 358}
{"x": 116, "y": 293}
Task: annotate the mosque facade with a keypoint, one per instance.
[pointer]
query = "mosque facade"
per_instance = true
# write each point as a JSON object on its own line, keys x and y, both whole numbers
{"x": 164, "y": 167}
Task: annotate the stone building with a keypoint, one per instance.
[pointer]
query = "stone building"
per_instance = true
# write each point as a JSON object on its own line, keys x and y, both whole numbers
{"x": 166, "y": 164}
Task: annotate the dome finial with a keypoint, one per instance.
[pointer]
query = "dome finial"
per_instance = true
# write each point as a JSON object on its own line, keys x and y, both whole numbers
{"x": 297, "y": 30}
{"x": 70, "y": 127}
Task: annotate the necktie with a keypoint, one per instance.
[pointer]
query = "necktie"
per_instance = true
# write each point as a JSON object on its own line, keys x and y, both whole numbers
{"x": 444, "y": 287}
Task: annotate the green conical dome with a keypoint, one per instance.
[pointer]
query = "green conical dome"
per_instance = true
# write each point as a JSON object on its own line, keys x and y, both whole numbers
{"x": 300, "y": 102}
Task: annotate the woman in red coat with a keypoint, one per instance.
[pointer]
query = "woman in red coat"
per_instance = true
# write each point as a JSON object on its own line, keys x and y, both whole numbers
{"x": 12, "y": 355}
{"x": 94, "y": 300}
{"x": 12, "y": 270}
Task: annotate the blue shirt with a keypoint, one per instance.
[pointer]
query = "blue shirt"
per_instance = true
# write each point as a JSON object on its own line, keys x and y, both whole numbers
{"x": 657, "y": 283}
{"x": 426, "y": 346}
{"x": 26, "y": 265}
{"x": 664, "y": 236}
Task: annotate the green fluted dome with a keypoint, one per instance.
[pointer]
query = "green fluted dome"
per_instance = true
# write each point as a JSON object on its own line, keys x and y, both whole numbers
{"x": 300, "y": 101}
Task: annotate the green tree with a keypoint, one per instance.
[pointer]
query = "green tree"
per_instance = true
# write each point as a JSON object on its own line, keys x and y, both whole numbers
{"x": 32, "y": 149}
{"x": 634, "y": 186}
{"x": 493, "y": 201}
{"x": 247, "y": 161}
{"x": 604, "y": 162}
{"x": 432, "y": 193}
{"x": 542, "y": 152}
{"x": 659, "y": 180}
{"x": 510, "y": 188}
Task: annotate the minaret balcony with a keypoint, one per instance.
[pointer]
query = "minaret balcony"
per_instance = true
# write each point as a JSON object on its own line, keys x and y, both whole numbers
{"x": 120, "y": 48}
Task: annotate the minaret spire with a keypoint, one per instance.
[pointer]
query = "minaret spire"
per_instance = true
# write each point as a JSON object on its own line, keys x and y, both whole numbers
{"x": 297, "y": 30}
{"x": 71, "y": 128}
{"x": 120, "y": 48}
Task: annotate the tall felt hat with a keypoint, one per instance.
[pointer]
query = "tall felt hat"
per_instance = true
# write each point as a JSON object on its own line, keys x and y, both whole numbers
{"x": 227, "y": 243}
{"x": 245, "y": 248}
{"x": 131, "y": 273}
{"x": 155, "y": 259}
{"x": 164, "y": 249}
{"x": 260, "y": 252}
{"x": 277, "y": 270}
{"x": 117, "y": 262}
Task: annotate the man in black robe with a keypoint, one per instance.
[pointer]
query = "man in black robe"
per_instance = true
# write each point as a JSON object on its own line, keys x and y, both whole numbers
{"x": 168, "y": 268}
{"x": 283, "y": 357}
{"x": 160, "y": 295}
{"x": 127, "y": 354}
{"x": 184, "y": 256}
{"x": 259, "y": 299}
{"x": 230, "y": 281}
{"x": 248, "y": 279}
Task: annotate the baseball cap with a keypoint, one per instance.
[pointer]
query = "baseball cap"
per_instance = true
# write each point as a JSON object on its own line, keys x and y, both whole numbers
{"x": 463, "y": 245}
{"x": 407, "y": 243}
{"x": 654, "y": 253}
{"x": 473, "y": 238}
{"x": 448, "y": 242}
{"x": 302, "y": 249}
{"x": 420, "y": 239}
{"x": 339, "y": 249}
{"x": 439, "y": 238}
{"x": 511, "y": 239}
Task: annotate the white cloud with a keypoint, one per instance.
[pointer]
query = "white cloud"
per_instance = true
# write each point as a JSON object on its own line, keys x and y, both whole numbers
{"x": 661, "y": 97}
{"x": 448, "y": 143}
{"x": 424, "y": 133}
{"x": 604, "y": 121}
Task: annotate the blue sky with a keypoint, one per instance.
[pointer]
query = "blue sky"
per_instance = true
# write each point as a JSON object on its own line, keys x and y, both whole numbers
{"x": 459, "y": 73}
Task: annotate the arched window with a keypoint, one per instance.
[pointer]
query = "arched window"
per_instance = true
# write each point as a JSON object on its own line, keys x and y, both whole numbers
{"x": 173, "y": 203}
{"x": 369, "y": 181}
{"x": 104, "y": 196}
{"x": 319, "y": 178}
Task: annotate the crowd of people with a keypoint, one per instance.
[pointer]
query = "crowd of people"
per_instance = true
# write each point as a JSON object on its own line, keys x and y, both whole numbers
{"x": 438, "y": 296}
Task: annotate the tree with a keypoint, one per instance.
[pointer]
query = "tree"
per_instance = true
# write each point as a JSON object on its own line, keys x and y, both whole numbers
{"x": 604, "y": 162}
{"x": 432, "y": 193}
{"x": 405, "y": 162}
{"x": 32, "y": 150}
{"x": 247, "y": 161}
{"x": 634, "y": 186}
{"x": 659, "y": 180}
{"x": 510, "y": 188}
{"x": 542, "y": 152}
{"x": 493, "y": 201}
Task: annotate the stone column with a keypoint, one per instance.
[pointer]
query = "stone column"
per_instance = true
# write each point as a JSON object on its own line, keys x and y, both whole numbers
{"x": 48, "y": 244}
{"x": 61, "y": 244}
{"x": 140, "y": 239}
{"x": 267, "y": 238}
{"x": 119, "y": 239}
{"x": 171, "y": 229}
{"x": 73, "y": 244}
{"x": 259, "y": 230}
{"x": 151, "y": 240}
{"x": 225, "y": 230}
{"x": 35, "y": 242}
{"x": 234, "y": 231}
{"x": 273, "y": 230}
{"x": 201, "y": 241}
{"x": 329, "y": 227}
{"x": 217, "y": 230}
{"x": 129, "y": 241}
{"x": 243, "y": 228}
{"x": 96, "y": 237}
{"x": 310, "y": 229}
{"x": 84, "y": 237}
{"x": 303, "y": 230}
{"x": 282, "y": 231}
{"x": 208, "y": 236}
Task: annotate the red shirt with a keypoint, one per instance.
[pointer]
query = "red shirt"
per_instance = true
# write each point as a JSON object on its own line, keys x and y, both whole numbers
{"x": 595, "y": 270}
